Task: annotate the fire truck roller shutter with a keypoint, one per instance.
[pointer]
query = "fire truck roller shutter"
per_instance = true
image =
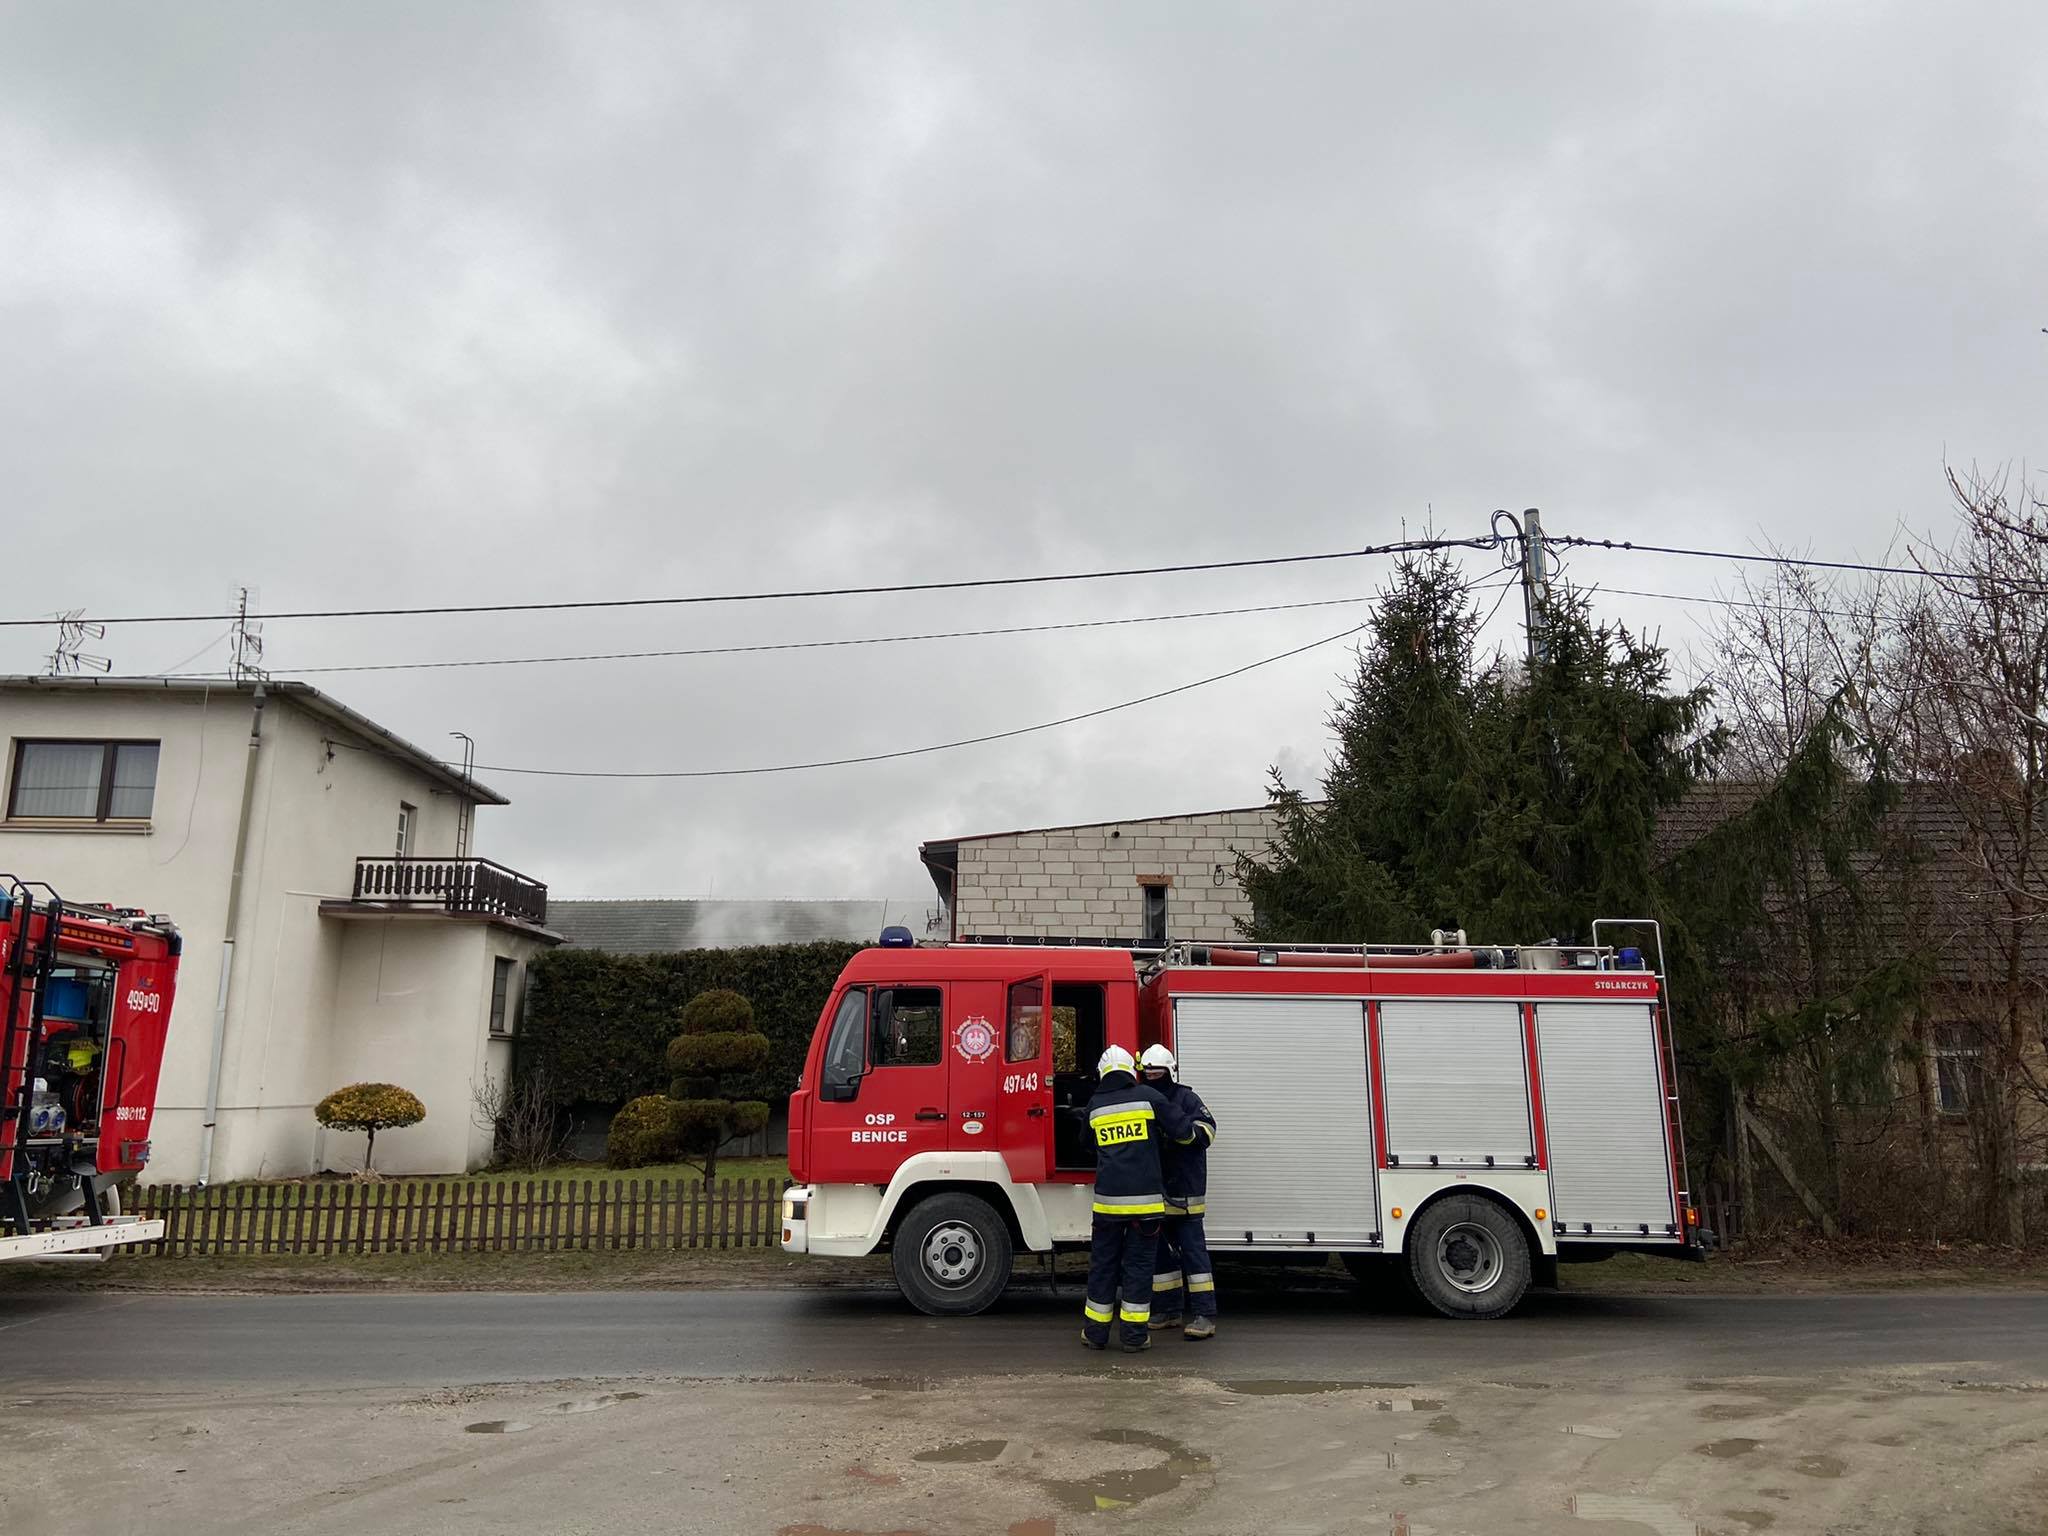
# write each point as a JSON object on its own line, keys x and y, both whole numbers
{"x": 1603, "y": 1106}
{"x": 1286, "y": 1078}
{"x": 1456, "y": 1083}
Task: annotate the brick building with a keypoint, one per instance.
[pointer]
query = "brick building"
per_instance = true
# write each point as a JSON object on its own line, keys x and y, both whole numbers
{"x": 1144, "y": 879}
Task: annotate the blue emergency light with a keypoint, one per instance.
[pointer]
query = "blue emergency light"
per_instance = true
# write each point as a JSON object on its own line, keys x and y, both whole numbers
{"x": 1631, "y": 959}
{"x": 897, "y": 938}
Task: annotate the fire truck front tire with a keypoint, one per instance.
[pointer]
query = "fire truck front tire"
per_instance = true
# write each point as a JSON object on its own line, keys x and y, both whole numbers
{"x": 951, "y": 1255}
{"x": 1468, "y": 1258}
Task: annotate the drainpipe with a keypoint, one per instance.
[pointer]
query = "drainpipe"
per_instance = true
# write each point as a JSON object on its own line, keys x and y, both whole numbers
{"x": 227, "y": 948}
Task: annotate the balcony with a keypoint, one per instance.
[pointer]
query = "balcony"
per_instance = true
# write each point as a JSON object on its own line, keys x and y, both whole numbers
{"x": 458, "y": 887}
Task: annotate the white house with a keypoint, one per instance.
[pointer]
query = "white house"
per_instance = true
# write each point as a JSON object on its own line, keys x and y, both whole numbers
{"x": 337, "y": 927}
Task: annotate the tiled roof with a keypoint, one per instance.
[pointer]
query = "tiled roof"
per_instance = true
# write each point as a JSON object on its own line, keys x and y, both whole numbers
{"x": 656, "y": 927}
{"x": 1937, "y": 893}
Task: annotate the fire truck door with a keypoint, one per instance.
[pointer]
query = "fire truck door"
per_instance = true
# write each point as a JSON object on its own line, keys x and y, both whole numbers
{"x": 882, "y": 1094}
{"x": 135, "y": 1053}
{"x": 974, "y": 1050}
{"x": 1024, "y": 1122}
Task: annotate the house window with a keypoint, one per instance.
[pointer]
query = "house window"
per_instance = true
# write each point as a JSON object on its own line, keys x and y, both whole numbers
{"x": 1958, "y": 1069}
{"x": 83, "y": 781}
{"x": 1155, "y": 888}
{"x": 501, "y": 995}
{"x": 407, "y": 815}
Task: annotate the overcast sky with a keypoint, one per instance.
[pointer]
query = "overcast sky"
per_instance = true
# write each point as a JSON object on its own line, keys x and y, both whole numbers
{"x": 368, "y": 305}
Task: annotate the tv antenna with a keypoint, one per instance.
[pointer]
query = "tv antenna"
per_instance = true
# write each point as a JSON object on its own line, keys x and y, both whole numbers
{"x": 70, "y": 658}
{"x": 247, "y": 649}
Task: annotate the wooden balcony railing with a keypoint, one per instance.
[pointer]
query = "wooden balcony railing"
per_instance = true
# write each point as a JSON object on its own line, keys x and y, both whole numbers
{"x": 474, "y": 887}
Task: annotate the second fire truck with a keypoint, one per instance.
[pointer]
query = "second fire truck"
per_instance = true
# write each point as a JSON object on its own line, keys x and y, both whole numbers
{"x": 1466, "y": 1117}
{"x": 85, "y": 1001}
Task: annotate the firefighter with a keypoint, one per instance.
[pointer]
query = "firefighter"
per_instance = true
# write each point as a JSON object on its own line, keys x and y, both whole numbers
{"x": 1130, "y": 1123}
{"x": 1182, "y": 1267}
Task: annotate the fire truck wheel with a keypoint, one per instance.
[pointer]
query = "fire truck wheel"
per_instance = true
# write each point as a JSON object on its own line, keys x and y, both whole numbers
{"x": 951, "y": 1255}
{"x": 1467, "y": 1258}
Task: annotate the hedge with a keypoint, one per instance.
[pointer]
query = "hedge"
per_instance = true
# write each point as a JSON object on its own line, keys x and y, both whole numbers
{"x": 602, "y": 1023}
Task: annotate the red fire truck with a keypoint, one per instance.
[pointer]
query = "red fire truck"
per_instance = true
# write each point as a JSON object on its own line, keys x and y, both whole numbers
{"x": 85, "y": 1000}
{"x": 1463, "y": 1116}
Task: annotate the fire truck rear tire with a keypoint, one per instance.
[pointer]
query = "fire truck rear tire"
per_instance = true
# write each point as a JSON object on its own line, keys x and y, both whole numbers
{"x": 1468, "y": 1258}
{"x": 951, "y": 1255}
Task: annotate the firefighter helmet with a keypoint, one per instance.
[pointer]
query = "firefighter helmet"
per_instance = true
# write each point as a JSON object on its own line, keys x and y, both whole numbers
{"x": 1156, "y": 1058}
{"x": 1116, "y": 1059}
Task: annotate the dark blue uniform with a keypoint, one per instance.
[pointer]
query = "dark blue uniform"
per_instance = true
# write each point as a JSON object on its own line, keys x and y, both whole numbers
{"x": 1129, "y": 1123}
{"x": 1181, "y": 1267}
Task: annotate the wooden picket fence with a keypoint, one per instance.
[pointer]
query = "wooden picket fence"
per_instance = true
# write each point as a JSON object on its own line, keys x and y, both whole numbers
{"x": 459, "y": 1216}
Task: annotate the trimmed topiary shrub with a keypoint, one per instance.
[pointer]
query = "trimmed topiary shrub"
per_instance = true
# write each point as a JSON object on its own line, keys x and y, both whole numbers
{"x": 643, "y": 1132}
{"x": 718, "y": 1046}
{"x": 370, "y": 1107}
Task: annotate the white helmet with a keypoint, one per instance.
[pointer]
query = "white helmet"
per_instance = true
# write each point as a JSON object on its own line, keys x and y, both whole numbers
{"x": 1116, "y": 1059}
{"x": 1156, "y": 1056}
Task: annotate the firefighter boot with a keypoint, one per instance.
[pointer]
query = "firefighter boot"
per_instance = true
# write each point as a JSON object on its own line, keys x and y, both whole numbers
{"x": 1137, "y": 1344}
{"x": 1200, "y": 1328}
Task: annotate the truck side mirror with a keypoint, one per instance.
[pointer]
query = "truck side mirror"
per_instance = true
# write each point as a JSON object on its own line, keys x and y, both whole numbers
{"x": 839, "y": 1093}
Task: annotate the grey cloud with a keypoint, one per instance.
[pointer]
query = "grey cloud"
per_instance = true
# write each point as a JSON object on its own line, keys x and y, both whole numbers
{"x": 376, "y": 304}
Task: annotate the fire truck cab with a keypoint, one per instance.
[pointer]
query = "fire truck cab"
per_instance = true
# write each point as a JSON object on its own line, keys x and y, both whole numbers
{"x": 1465, "y": 1116}
{"x": 85, "y": 1003}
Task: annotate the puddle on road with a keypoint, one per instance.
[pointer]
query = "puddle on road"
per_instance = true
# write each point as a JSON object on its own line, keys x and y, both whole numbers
{"x": 1729, "y": 1413}
{"x": 1728, "y": 1449}
{"x": 592, "y": 1404}
{"x": 1121, "y": 1490}
{"x": 497, "y": 1427}
{"x": 1446, "y": 1424}
{"x": 963, "y": 1453}
{"x": 1820, "y": 1466}
{"x": 1754, "y": 1519}
{"x": 1890, "y": 1440}
{"x": 1289, "y": 1388}
{"x": 1664, "y": 1519}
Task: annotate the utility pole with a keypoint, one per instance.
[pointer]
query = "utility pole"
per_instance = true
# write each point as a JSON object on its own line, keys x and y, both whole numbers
{"x": 1535, "y": 582}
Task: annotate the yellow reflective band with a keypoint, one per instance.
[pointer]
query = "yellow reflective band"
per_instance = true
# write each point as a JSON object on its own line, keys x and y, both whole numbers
{"x": 1120, "y": 1112}
{"x": 1206, "y": 1283}
{"x": 1197, "y": 1207}
{"x": 1098, "y": 1312}
{"x": 1140, "y": 1205}
{"x": 1166, "y": 1282}
{"x": 1208, "y": 1131}
{"x": 1130, "y": 1314}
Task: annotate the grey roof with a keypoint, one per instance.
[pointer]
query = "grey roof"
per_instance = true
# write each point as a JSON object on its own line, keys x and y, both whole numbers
{"x": 656, "y": 927}
{"x": 305, "y": 695}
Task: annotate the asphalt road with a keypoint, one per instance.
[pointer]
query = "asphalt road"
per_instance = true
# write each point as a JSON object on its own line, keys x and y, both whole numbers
{"x": 84, "y": 1342}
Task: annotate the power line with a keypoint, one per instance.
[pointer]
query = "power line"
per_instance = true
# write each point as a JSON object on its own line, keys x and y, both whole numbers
{"x": 813, "y": 645}
{"x": 1923, "y": 572}
{"x": 883, "y": 757}
{"x": 1405, "y": 546}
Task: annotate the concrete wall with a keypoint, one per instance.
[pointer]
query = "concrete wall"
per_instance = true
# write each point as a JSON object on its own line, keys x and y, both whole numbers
{"x": 1085, "y": 880}
{"x": 412, "y": 1006}
{"x": 314, "y": 810}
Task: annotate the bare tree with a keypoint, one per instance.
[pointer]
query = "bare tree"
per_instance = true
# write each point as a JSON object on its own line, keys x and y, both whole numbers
{"x": 1970, "y": 658}
{"x": 1809, "y": 997}
{"x": 528, "y": 1129}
